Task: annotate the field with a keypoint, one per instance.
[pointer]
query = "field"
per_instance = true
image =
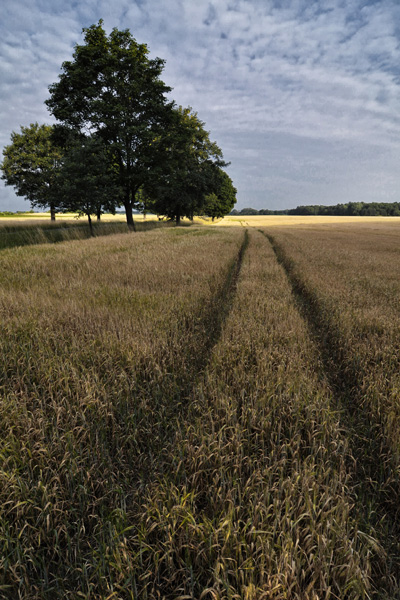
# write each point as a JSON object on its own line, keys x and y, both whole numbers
{"x": 307, "y": 221}
{"x": 29, "y": 229}
{"x": 38, "y": 217}
{"x": 205, "y": 412}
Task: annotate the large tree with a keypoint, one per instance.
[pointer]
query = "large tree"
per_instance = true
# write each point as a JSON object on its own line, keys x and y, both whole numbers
{"x": 113, "y": 89}
{"x": 188, "y": 169}
{"x": 31, "y": 163}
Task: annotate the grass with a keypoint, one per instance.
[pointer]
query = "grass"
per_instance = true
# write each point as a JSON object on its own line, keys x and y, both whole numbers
{"x": 257, "y": 502}
{"x": 26, "y": 233}
{"x": 98, "y": 339}
{"x": 204, "y": 412}
{"x": 349, "y": 286}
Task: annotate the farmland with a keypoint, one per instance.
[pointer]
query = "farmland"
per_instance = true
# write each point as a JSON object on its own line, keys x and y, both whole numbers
{"x": 203, "y": 412}
{"x": 27, "y": 230}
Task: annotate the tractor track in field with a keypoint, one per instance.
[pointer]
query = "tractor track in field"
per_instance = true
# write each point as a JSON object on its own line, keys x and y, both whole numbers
{"x": 207, "y": 333}
{"x": 224, "y": 299}
{"x": 215, "y": 316}
{"x": 370, "y": 472}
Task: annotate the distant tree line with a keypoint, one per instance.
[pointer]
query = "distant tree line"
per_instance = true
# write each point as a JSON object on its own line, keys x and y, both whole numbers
{"x": 118, "y": 141}
{"x": 351, "y": 209}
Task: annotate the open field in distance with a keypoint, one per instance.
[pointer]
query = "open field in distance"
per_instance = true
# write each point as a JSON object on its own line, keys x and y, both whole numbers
{"x": 29, "y": 218}
{"x": 24, "y": 219}
{"x": 312, "y": 221}
{"x": 203, "y": 412}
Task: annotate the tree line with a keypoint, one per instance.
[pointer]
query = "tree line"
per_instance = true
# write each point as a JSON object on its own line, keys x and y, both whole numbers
{"x": 118, "y": 141}
{"x": 351, "y": 209}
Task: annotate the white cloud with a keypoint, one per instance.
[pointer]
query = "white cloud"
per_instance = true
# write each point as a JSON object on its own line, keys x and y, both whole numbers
{"x": 309, "y": 76}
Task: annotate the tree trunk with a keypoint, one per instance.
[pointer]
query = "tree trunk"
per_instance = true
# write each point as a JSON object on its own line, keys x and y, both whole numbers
{"x": 178, "y": 218}
{"x": 129, "y": 216}
{"x": 52, "y": 212}
{"x": 90, "y": 224}
{"x": 99, "y": 214}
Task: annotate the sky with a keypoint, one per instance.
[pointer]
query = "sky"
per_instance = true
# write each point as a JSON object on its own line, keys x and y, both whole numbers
{"x": 302, "y": 96}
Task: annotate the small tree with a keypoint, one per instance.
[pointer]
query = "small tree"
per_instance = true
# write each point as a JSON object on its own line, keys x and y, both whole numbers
{"x": 222, "y": 200}
{"x": 31, "y": 163}
{"x": 87, "y": 182}
{"x": 143, "y": 201}
{"x": 186, "y": 173}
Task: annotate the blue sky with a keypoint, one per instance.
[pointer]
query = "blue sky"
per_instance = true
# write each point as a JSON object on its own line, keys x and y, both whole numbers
{"x": 303, "y": 97}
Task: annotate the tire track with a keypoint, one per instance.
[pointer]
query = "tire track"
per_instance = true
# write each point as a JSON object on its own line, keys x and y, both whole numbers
{"x": 377, "y": 502}
{"x": 205, "y": 336}
{"x": 223, "y": 300}
{"x": 213, "y": 319}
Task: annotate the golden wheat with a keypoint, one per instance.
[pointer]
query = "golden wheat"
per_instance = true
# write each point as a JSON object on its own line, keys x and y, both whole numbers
{"x": 348, "y": 283}
{"x": 98, "y": 338}
{"x": 175, "y": 423}
{"x": 253, "y": 501}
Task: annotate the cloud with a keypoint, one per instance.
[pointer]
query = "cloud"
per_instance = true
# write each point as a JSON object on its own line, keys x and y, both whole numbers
{"x": 303, "y": 97}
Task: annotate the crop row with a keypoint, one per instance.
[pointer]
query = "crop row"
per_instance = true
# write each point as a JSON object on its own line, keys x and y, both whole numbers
{"x": 169, "y": 428}
{"x": 348, "y": 288}
{"x": 99, "y": 339}
{"x": 255, "y": 500}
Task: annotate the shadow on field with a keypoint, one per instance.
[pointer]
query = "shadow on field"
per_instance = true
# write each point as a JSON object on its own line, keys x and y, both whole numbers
{"x": 376, "y": 484}
{"x": 12, "y": 236}
{"x": 207, "y": 332}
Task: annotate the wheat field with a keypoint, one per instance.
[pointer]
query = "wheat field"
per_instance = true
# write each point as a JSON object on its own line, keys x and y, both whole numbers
{"x": 203, "y": 412}
{"x": 308, "y": 221}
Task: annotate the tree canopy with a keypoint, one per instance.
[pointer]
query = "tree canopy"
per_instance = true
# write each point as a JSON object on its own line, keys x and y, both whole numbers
{"x": 354, "y": 209}
{"x": 86, "y": 181}
{"x": 31, "y": 163}
{"x": 223, "y": 198}
{"x": 189, "y": 168}
{"x": 118, "y": 140}
{"x": 113, "y": 89}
